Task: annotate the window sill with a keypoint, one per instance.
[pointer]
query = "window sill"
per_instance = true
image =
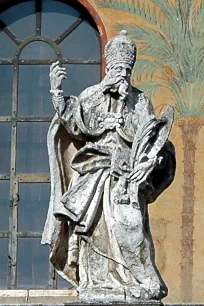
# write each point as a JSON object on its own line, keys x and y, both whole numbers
{"x": 37, "y": 296}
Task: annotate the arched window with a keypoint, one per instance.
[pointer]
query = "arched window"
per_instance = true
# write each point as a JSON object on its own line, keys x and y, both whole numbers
{"x": 33, "y": 34}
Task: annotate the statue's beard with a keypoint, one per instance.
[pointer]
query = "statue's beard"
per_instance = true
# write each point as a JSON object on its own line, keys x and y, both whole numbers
{"x": 118, "y": 86}
{"x": 123, "y": 90}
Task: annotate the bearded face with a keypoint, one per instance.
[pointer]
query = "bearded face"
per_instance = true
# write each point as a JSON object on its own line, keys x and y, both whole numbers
{"x": 117, "y": 80}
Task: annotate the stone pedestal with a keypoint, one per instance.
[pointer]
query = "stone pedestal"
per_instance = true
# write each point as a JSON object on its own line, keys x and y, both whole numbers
{"x": 117, "y": 296}
{"x": 116, "y": 303}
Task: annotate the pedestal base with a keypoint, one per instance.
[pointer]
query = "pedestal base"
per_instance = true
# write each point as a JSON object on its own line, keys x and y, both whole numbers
{"x": 119, "y": 295}
{"x": 115, "y": 303}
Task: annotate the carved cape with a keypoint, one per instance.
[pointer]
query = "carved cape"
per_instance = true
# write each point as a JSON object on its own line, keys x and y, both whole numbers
{"x": 88, "y": 148}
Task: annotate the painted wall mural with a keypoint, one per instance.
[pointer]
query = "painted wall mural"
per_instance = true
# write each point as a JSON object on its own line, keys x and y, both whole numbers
{"x": 170, "y": 68}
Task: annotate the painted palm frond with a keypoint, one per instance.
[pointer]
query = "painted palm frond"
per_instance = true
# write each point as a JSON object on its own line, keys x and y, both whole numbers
{"x": 134, "y": 7}
{"x": 145, "y": 39}
{"x": 150, "y": 87}
{"x": 170, "y": 43}
{"x": 166, "y": 19}
{"x": 143, "y": 68}
{"x": 170, "y": 11}
{"x": 191, "y": 100}
{"x": 197, "y": 20}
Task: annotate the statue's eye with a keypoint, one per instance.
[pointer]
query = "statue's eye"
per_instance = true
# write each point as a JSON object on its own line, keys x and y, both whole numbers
{"x": 119, "y": 69}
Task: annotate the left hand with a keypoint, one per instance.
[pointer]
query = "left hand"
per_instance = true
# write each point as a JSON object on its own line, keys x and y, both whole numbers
{"x": 142, "y": 170}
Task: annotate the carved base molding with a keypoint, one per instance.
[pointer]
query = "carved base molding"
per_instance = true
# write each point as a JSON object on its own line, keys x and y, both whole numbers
{"x": 115, "y": 303}
{"x": 106, "y": 297}
{"x": 63, "y": 304}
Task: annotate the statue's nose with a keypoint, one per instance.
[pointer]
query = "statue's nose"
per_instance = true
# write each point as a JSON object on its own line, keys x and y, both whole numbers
{"x": 124, "y": 73}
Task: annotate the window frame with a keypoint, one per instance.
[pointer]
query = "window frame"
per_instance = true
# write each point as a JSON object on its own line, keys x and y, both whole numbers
{"x": 13, "y": 234}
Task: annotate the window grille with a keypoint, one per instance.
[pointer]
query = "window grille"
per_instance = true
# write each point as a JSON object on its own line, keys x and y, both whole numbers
{"x": 34, "y": 34}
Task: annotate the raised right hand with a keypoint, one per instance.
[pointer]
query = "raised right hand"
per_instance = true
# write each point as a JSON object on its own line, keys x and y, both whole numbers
{"x": 57, "y": 74}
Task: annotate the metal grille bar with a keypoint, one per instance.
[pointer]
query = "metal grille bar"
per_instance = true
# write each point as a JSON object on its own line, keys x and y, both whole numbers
{"x": 9, "y": 33}
{"x": 50, "y": 61}
{"x": 38, "y": 8}
{"x": 69, "y": 30}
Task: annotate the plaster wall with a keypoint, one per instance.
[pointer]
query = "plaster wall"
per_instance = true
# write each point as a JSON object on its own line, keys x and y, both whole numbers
{"x": 177, "y": 217}
{"x": 178, "y": 214}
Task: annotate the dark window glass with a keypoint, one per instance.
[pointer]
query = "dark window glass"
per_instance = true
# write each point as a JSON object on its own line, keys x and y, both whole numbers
{"x": 5, "y": 90}
{"x": 81, "y": 77}
{"x": 7, "y": 46}
{"x": 34, "y": 199}
{"x": 32, "y": 270}
{"x": 5, "y": 147}
{"x": 33, "y": 91}
{"x": 62, "y": 283}
{"x": 33, "y": 100}
{"x": 32, "y": 156}
{"x": 81, "y": 43}
{"x": 57, "y": 17}
{"x": 20, "y": 18}
{"x": 38, "y": 50}
{"x": 4, "y": 205}
{"x": 3, "y": 262}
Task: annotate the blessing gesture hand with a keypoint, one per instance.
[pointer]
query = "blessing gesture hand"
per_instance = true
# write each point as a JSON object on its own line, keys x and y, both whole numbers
{"x": 57, "y": 74}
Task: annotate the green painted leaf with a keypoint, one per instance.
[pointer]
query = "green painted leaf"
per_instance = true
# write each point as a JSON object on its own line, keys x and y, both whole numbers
{"x": 173, "y": 45}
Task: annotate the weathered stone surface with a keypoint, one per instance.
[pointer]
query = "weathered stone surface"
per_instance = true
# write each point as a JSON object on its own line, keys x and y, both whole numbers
{"x": 116, "y": 303}
{"x": 113, "y": 161}
{"x": 108, "y": 295}
{"x": 104, "y": 304}
{"x": 148, "y": 303}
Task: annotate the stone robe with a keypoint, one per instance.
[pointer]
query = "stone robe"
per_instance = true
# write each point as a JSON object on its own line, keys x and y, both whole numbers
{"x": 97, "y": 235}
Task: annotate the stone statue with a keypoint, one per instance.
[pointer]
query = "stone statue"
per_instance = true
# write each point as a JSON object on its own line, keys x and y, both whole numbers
{"x": 109, "y": 158}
